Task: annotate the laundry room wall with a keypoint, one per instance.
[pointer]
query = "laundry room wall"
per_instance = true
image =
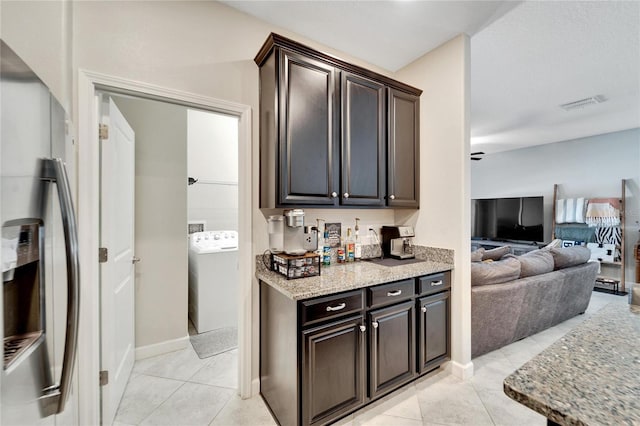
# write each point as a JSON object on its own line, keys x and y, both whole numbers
{"x": 160, "y": 218}
{"x": 212, "y": 159}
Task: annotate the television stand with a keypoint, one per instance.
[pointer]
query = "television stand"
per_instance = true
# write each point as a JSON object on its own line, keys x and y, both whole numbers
{"x": 517, "y": 248}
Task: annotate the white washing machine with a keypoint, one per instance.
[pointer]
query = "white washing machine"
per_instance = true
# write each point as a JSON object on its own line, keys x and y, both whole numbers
{"x": 213, "y": 280}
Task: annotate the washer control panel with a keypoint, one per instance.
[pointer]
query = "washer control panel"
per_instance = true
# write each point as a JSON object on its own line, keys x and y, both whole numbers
{"x": 210, "y": 241}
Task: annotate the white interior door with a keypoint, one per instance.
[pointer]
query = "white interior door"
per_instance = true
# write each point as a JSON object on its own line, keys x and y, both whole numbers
{"x": 117, "y": 322}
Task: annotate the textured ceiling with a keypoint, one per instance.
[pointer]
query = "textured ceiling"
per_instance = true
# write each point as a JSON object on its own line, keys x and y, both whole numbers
{"x": 544, "y": 54}
{"x": 389, "y": 34}
{"x": 527, "y": 58}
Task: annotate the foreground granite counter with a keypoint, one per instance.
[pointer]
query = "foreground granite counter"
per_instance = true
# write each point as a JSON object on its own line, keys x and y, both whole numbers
{"x": 591, "y": 376}
{"x": 348, "y": 276}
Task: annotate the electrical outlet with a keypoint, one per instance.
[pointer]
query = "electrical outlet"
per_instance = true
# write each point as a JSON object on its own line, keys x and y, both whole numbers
{"x": 374, "y": 227}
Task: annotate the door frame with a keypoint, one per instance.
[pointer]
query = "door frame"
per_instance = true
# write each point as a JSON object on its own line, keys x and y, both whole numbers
{"x": 88, "y": 153}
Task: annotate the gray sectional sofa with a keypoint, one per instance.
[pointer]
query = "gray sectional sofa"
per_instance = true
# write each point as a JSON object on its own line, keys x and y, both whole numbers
{"x": 510, "y": 310}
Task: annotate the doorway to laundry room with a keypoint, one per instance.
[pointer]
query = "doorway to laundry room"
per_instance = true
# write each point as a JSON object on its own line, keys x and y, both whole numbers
{"x": 186, "y": 187}
{"x": 212, "y": 210}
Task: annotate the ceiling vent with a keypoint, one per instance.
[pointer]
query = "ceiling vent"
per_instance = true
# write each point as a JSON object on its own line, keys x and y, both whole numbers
{"x": 583, "y": 103}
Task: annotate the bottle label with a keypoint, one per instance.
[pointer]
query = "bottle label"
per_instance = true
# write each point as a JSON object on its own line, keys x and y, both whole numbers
{"x": 326, "y": 255}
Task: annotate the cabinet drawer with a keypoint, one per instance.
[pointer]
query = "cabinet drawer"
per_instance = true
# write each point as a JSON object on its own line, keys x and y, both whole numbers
{"x": 333, "y": 306}
{"x": 434, "y": 283}
{"x": 390, "y": 293}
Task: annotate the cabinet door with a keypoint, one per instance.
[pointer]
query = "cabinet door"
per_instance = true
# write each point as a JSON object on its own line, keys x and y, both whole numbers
{"x": 363, "y": 141}
{"x": 391, "y": 351}
{"x": 404, "y": 152}
{"x": 309, "y": 163}
{"x": 333, "y": 370}
{"x": 433, "y": 331}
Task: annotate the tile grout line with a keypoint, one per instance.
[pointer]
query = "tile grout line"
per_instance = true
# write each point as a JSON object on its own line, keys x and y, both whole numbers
{"x": 162, "y": 403}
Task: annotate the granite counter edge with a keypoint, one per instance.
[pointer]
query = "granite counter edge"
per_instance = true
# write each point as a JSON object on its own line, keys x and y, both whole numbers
{"x": 271, "y": 278}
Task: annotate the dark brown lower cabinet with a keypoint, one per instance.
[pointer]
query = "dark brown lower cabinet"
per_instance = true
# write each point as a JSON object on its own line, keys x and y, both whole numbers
{"x": 391, "y": 349}
{"x": 334, "y": 368}
{"x": 433, "y": 331}
{"x": 325, "y": 357}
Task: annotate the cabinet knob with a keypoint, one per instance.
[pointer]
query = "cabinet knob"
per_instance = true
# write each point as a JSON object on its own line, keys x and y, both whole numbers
{"x": 374, "y": 324}
{"x": 363, "y": 328}
{"x": 392, "y": 197}
{"x": 346, "y": 195}
{"x": 334, "y": 194}
{"x": 424, "y": 309}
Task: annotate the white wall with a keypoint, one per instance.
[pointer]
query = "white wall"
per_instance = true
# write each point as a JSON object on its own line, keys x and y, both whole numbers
{"x": 199, "y": 47}
{"x": 212, "y": 158}
{"x": 443, "y": 219}
{"x": 587, "y": 167}
{"x": 160, "y": 219}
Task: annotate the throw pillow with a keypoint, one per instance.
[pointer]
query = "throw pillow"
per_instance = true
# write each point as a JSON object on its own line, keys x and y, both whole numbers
{"x": 476, "y": 256}
{"x": 535, "y": 262}
{"x": 496, "y": 253}
{"x": 557, "y": 243}
{"x": 569, "y": 256}
{"x": 504, "y": 270}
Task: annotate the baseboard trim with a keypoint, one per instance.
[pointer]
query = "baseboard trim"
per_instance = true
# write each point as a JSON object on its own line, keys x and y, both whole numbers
{"x": 255, "y": 387}
{"x": 461, "y": 371}
{"x": 161, "y": 348}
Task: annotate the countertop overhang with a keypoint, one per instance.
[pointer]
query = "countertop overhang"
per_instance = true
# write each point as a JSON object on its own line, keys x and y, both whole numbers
{"x": 349, "y": 276}
{"x": 591, "y": 376}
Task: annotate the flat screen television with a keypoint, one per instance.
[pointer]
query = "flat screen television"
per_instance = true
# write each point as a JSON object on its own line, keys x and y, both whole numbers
{"x": 507, "y": 219}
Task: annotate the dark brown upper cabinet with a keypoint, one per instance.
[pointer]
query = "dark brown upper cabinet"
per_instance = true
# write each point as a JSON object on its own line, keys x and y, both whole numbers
{"x": 363, "y": 141}
{"x": 404, "y": 150}
{"x": 308, "y": 130}
{"x": 326, "y": 133}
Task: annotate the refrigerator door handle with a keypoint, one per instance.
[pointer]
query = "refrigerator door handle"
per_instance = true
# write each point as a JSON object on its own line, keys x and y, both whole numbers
{"x": 55, "y": 397}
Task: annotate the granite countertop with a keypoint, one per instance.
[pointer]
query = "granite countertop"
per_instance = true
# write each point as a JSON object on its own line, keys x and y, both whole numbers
{"x": 591, "y": 376}
{"x": 349, "y": 276}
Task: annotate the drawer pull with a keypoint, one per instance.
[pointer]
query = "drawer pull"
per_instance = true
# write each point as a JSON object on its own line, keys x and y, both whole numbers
{"x": 424, "y": 309}
{"x": 363, "y": 328}
{"x": 336, "y": 308}
{"x": 394, "y": 293}
{"x": 374, "y": 324}
{"x": 436, "y": 283}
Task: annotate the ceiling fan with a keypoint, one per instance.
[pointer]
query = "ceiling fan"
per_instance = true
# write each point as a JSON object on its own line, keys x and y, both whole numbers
{"x": 477, "y": 156}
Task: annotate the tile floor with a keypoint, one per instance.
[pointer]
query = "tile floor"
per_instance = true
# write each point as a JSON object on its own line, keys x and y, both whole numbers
{"x": 180, "y": 389}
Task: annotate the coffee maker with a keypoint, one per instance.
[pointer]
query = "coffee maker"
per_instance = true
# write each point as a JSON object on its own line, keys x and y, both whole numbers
{"x": 397, "y": 241}
{"x": 296, "y": 238}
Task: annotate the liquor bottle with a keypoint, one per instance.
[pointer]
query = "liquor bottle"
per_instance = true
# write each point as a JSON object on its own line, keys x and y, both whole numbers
{"x": 342, "y": 256}
{"x": 350, "y": 248}
{"x": 358, "y": 243}
{"x": 326, "y": 249}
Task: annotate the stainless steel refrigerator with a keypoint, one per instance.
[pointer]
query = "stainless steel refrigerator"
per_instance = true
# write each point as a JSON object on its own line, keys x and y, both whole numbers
{"x": 40, "y": 297}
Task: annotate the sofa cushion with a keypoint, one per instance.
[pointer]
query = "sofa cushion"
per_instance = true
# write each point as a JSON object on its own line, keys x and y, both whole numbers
{"x": 569, "y": 256}
{"x": 535, "y": 262}
{"x": 496, "y": 253}
{"x": 557, "y": 243}
{"x": 476, "y": 256}
{"x": 495, "y": 272}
